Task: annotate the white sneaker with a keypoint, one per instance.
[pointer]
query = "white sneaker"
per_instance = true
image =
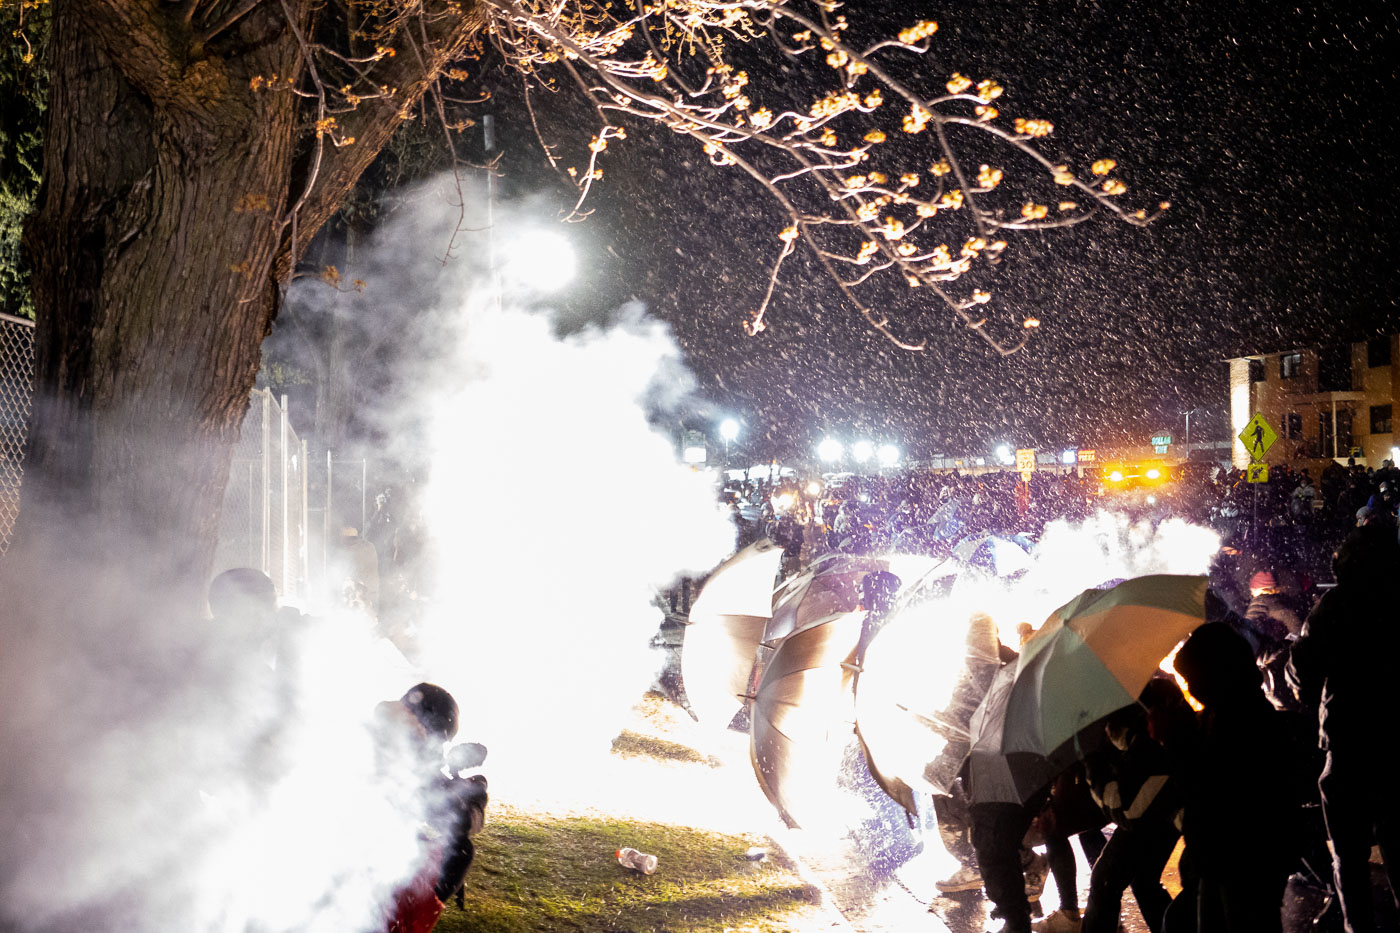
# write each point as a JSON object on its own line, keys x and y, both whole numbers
{"x": 1058, "y": 922}
{"x": 964, "y": 879}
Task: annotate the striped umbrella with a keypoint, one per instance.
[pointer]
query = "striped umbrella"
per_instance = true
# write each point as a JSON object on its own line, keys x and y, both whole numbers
{"x": 1092, "y": 657}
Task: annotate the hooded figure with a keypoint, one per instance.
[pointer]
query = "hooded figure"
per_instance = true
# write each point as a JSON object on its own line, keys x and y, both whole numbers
{"x": 1241, "y": 809}
{"x": 1343, "y": 665}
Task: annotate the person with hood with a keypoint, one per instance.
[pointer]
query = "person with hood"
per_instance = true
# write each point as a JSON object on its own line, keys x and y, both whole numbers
{"x": 1343, "y": 665}
{"x": 411, "y": 733}
{"x": 1241, "y": 811}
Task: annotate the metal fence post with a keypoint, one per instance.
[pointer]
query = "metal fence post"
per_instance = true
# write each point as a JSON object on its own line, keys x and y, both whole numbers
{"x": 267, "y": 483}
{"x": 288, "y": 587}
{"x": 305, "y": 520}
{"x": 326, "y": 521}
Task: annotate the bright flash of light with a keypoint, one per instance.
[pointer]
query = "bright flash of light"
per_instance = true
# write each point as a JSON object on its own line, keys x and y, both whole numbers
{"x": 729, "y": 429}
{"x": 784, "y": 501}
{"x": 1154, "y": 473}
{"x": 830, "y": 449}
{"x": 862, "y": 451}
{"x": 1116, "y": 476}
{"x": 537, "y": 259}
{"x": 814, "y": 488}
{"x": 888, "y": 454}
{"x": 1067, "y": 457}
{"x": 544, "y": 640}
{"x": 1004, "y": 453}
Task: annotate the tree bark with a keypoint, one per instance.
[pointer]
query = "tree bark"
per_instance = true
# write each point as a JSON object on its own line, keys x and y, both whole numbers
{"x": 152, "y": 247}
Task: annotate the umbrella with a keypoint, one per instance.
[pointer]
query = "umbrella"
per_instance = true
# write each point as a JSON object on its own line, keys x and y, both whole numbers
{"x": 723, "y": 631}
{"x": 920, "y": 681}
{"x": 802, "y": 715}
{"x": 1001, "y": 557}
{"x": 832, "y": 585}
{"x": 1093, "y": 656}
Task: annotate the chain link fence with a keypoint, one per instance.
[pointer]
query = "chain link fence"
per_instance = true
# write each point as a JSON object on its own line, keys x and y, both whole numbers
{"x": 16, "y": 388}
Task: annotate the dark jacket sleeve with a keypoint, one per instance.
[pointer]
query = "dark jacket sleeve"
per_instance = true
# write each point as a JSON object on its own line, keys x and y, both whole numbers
{"x": 1312, "y": 655}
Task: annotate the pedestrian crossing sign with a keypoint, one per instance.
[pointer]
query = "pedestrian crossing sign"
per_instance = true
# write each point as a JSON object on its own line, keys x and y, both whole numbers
{"x": 1257, "y": 437}
{"x": 1258, "y": 472}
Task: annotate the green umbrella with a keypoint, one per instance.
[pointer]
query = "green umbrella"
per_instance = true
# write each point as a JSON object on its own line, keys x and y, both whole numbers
{"x": 1092, "y": 657}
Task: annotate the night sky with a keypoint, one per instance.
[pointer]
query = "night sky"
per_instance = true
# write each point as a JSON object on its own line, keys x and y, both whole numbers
{"x": 1268, "y": 126}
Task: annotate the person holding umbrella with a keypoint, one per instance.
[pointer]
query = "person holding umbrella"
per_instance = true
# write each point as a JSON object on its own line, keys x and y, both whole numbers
{"x": 1091, "y": 658}
{"x": 1241, "y": 816}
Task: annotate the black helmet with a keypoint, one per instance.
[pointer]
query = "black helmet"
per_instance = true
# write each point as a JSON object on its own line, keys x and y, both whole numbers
{"x": 435, "y": 708}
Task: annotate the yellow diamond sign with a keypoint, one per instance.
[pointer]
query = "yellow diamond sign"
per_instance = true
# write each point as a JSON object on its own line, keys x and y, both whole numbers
{"x": 1258, "y": 472}
{"x": 1257, "y": 437}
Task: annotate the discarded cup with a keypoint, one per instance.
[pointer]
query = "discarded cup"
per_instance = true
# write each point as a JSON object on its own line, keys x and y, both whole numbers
{"x": 637, "y": 861}
{"x": 756, "y": 854}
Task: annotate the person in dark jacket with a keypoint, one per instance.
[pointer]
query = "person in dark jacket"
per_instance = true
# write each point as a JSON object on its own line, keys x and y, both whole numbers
{"x": 1132, "y": 782}
{"x": 411, "y": 733}
{"x": 1343, "y": 664}
{"x": 1240, "y": 813}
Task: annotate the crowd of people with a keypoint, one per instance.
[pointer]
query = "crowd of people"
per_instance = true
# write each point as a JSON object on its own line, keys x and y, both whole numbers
{"x": 1277, "y": 775}
{"x": 1289, "y": 525}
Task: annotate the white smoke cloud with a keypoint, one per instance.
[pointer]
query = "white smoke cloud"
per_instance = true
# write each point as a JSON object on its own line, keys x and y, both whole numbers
{"x": 178, "y": 775}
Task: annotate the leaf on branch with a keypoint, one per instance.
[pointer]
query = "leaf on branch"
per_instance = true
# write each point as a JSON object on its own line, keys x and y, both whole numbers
{"x": 331, "y": 276}
{"x": 1103, "y": 166}
{"x": 920, "y": 30}
{"x": 958, "y": 83}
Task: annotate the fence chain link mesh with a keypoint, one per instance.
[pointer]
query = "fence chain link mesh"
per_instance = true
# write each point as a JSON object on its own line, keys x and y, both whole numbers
{"x": 16, "y": 390}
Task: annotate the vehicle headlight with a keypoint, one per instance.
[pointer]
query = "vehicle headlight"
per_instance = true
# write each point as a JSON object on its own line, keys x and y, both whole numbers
{"x": 1116, "y": 476}
{"x": 1154, "y": 473}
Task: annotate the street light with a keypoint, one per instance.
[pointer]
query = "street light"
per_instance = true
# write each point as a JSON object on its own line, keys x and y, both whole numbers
{"x": 728, "y": 429}
{"x": 830, "y": 449}
{"x": 889, "y": 455}
{"x": 1188, "y": 413}
{"x": 862, "y": 451}
{"x": 1005, "y": 455}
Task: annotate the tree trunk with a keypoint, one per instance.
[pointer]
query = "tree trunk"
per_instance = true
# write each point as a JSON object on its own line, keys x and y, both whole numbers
{"x": 152, "y": 251}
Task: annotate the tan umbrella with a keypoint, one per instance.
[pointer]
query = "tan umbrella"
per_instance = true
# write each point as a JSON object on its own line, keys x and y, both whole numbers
{"x": 803, "y": 716}
{"x": 723, "y": 631}
{"x": 921, "y": 680}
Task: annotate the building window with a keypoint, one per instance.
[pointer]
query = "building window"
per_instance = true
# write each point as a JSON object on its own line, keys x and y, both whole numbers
{"x": 1345, "y": 439}
{"x": 1324, "y": 433}
{"x": 1380, "y": 419}
{"x": 1293, "y": 425}
{"x": 1256, "y": 370}
{"x": 1378, "y": 352}
{"x": 1290, "y": 366}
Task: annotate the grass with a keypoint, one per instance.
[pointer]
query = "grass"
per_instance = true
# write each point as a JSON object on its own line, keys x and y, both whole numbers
{"x": 534, "y": 874}
{"x": 552, "y": 869}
